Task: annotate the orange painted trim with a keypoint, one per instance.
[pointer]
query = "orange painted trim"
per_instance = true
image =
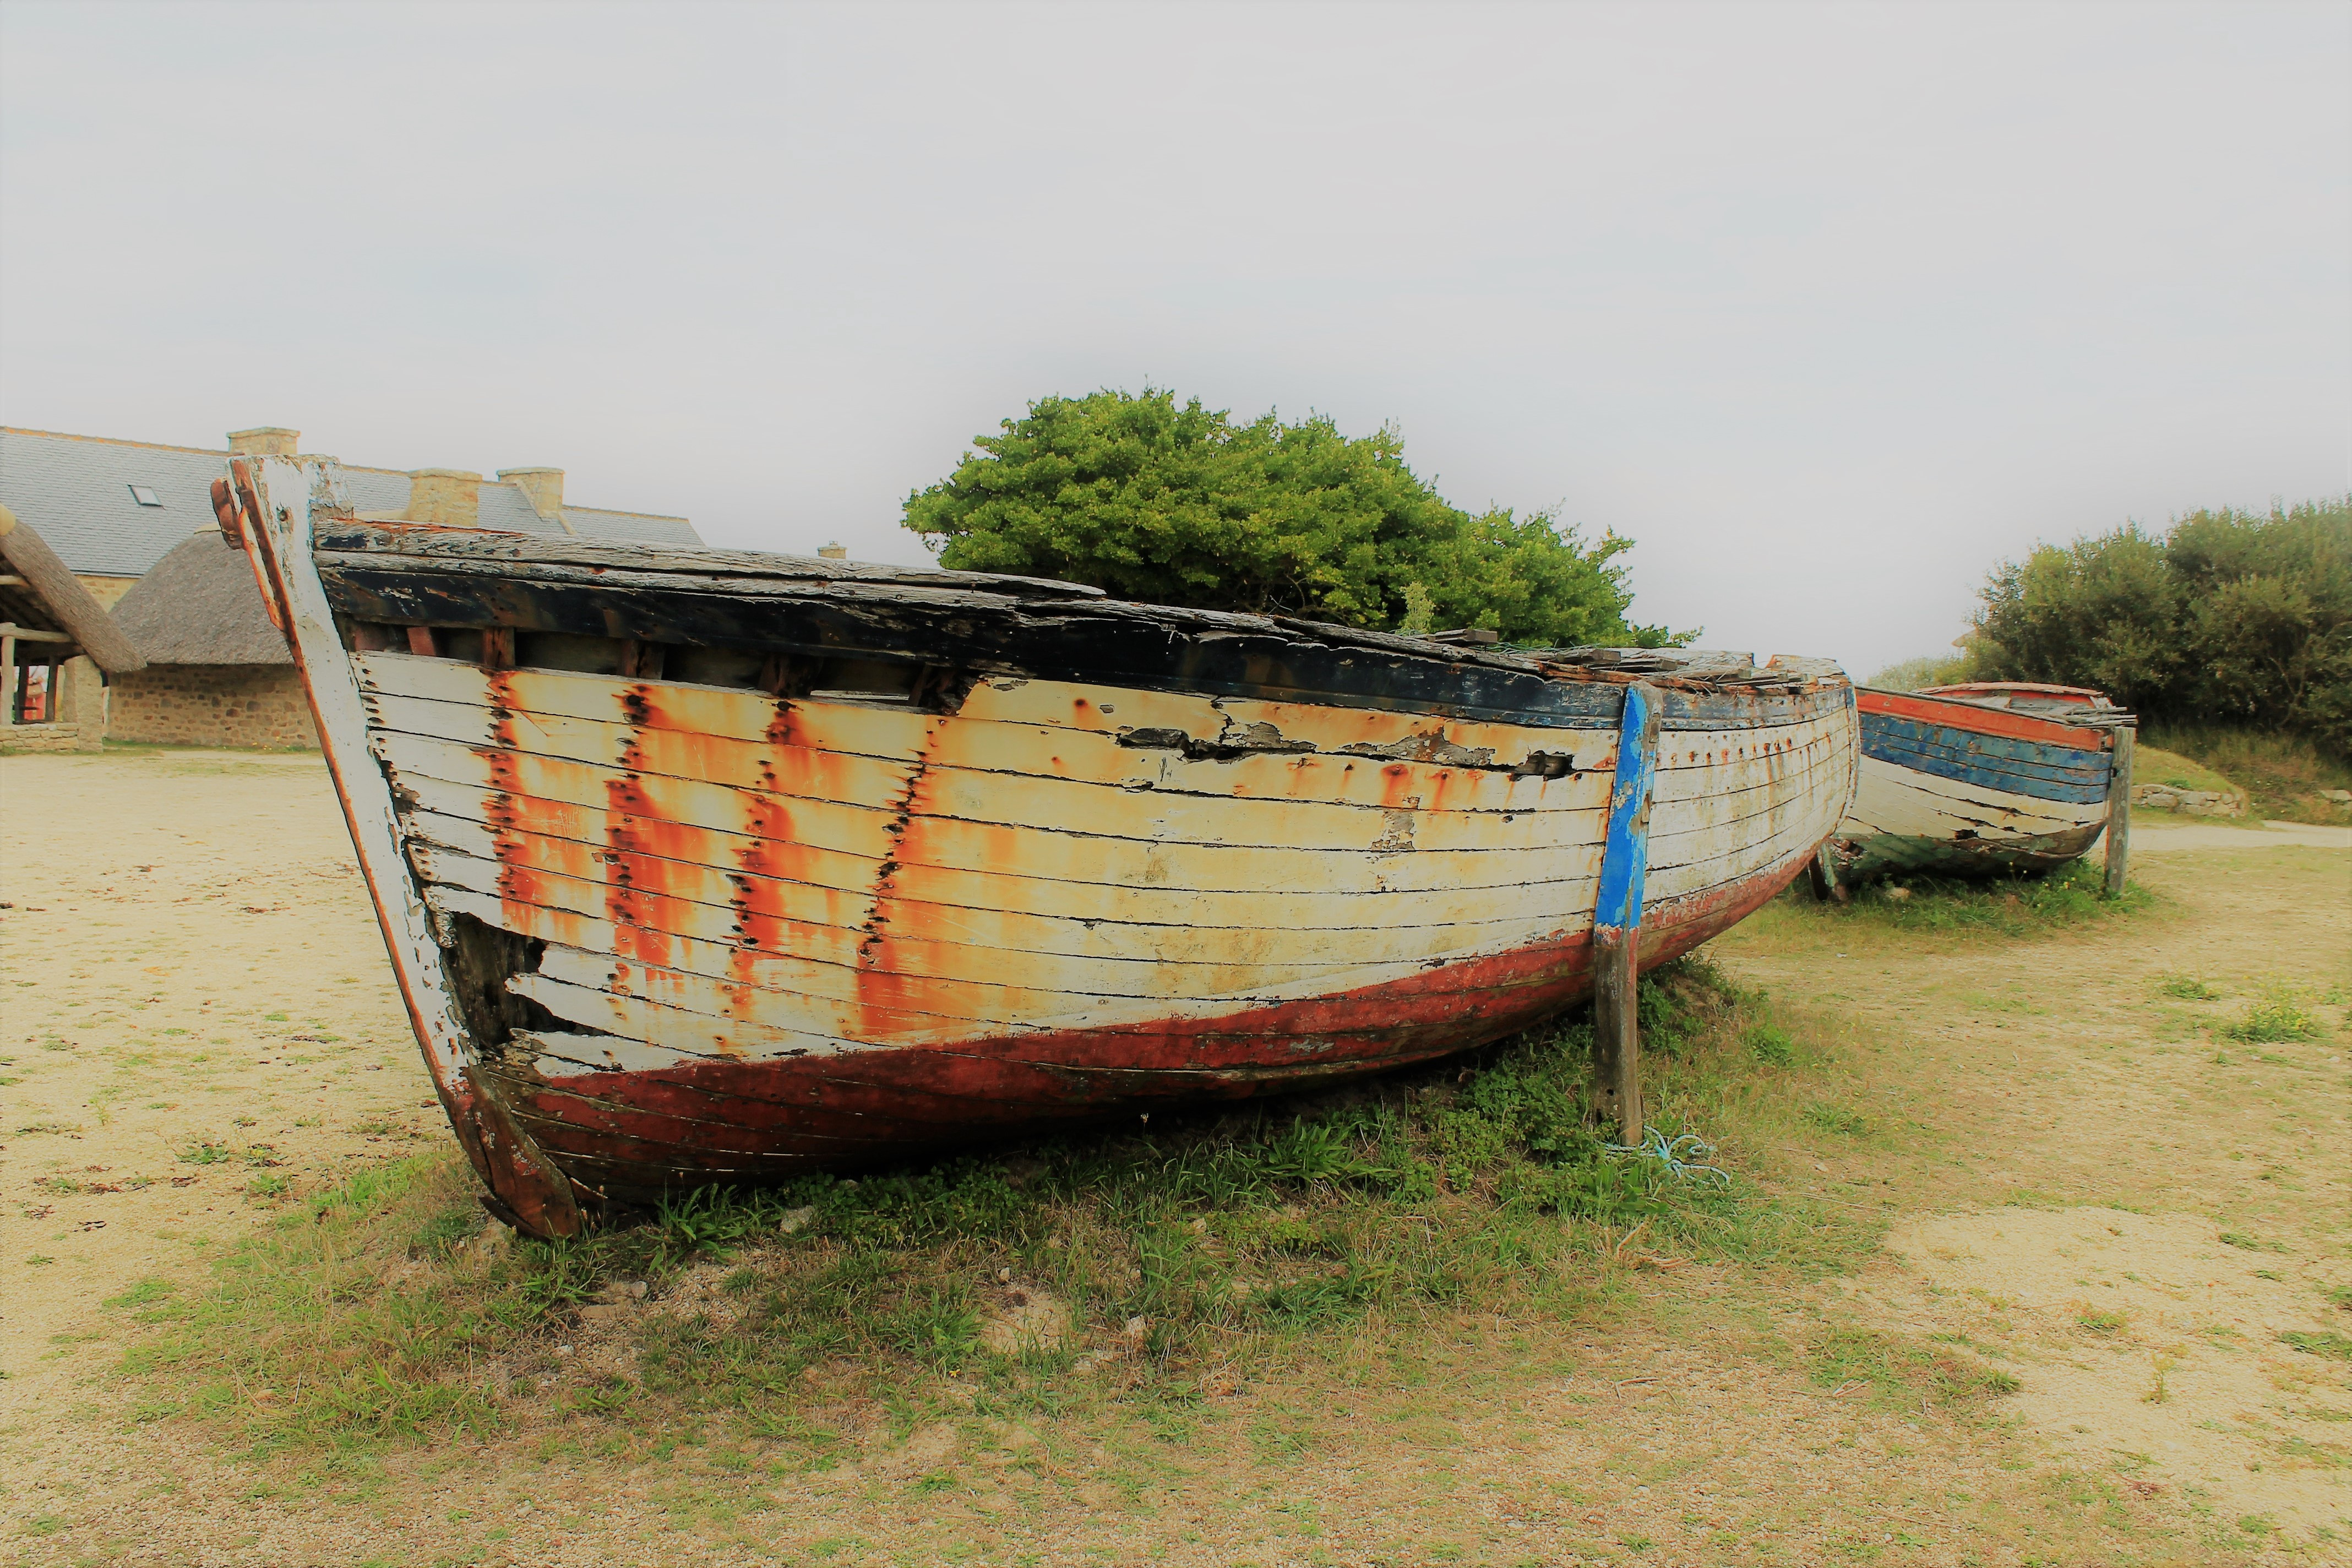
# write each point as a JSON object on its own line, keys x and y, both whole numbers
{"x": 1983, "y": 720}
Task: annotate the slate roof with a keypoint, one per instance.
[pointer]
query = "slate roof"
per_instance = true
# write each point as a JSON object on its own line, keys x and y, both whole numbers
{"x": 76, "y": 490}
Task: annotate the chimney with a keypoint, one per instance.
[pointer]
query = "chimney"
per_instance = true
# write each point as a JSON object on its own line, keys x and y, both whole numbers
{"x": 832, "y": 552}
{"x": 543, "y": 487}
{"x": 268, "y": 441}
{"x": 451, "y": 498}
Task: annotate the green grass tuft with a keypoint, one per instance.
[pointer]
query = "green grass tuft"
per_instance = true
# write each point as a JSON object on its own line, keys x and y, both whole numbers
{"x": 2003, "y": 906}
{"x": 2331, "y": 1344}
{"x": 2279, "y": 1016}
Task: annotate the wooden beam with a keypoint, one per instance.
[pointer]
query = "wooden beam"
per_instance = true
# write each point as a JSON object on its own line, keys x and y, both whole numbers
{"x": 497, "y": 648}
{"x": 28, "y": 634}
{"x": 1821, "y": 876}
{"x": 8, "y": 675}
{"x": 1617, "y": 917}
{"x": 2119, "y": 790}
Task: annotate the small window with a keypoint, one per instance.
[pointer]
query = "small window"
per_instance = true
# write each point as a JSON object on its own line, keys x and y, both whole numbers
{"x": 144, "y": 496}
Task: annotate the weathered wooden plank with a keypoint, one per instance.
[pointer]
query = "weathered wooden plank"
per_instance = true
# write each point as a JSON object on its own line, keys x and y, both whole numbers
{"x": 841, "y": 963}
{"x": 754, "y": 909}
{"x": 1974, "y": 717}
{"x": 1105, "y": 642}
{"x": 1035, "y": 705}
{"x": 762, "y": 838}
{"x": 953, "y": 747}
{"x": 1035, "y": 735}
{"x": 1051, "y": 805}
{"x": 707, "y": 561}
{"x": 1896, "y": 799}
{"x": 1074, "y": 923}
{"x": 2119, "y": 812}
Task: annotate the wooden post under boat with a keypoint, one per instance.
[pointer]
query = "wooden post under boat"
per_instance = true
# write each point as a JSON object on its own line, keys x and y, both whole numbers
{"x": 1617, "y": 916}
{"x": 2119, "y": 788}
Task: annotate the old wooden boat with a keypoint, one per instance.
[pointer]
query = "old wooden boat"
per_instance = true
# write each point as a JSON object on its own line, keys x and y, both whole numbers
{"x": 702, "y": 866}
{"x": 1981, "y": 779}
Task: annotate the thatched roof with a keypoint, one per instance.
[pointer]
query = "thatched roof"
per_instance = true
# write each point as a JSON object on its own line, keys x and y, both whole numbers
{"x": 46, "y": 596}
{"x": 200, "y": 605}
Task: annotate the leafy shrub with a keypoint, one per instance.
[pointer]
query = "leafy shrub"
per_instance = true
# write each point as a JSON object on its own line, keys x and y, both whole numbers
{"x": 1185, "y": 506}
{"x": 2232, "y": 617}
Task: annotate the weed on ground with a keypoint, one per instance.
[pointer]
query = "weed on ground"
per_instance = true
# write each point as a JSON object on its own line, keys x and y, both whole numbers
{"x": 1153, "y": 1263}
{"x": 2010, "y": 906}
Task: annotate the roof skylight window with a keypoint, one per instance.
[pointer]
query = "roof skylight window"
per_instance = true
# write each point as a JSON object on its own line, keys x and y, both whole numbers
{"x": 144, "y": 496}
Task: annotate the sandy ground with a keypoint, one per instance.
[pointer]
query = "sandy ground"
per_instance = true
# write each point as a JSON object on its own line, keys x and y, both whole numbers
{"x": 198, "y": 1009}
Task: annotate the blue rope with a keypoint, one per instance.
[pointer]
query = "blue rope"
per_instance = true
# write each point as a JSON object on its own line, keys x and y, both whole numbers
{"x": 1668, "y": 1152}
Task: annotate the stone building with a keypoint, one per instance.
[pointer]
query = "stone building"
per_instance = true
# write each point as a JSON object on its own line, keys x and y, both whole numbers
{"x": 218, "y": 672}
{"x": 134, "y": 523}
{"x": 57, "y": 645}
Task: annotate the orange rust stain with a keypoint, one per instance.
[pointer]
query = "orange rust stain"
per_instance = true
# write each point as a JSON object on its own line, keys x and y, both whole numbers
{"x": 634, "y": 883}
{"x": 779, "y": 732}
{"x": 1395, "y": 779}
{"x": 890, "y": 920}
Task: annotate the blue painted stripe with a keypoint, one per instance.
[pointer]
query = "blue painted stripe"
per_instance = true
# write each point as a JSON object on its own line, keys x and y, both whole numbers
{"x": 2031, "y": 768}
{"x": 2007, "y": 748}
{"x": 1625, "y": 850}
{"x": 1970, "y": 756}
{"x": 1985, "y": 778}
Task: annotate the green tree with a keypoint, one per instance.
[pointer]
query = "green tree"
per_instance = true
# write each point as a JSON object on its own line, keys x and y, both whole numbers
{"x": 1181, "y": 505}
{"x": 2231, "y": 617}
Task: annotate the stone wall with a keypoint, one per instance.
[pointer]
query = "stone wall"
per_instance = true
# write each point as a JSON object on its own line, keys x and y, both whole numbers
{"x": 16, "y": 738}
{"x": 211, "y": 705}
{"x": 2189, "y": 802}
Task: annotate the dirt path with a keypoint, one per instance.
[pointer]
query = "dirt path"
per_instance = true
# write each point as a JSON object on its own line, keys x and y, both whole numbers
{"x": 2063, "y": 1152}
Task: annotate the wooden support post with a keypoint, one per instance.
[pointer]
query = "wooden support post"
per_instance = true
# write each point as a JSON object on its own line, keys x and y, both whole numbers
{"x": 1617, "y": 917}
{"x": 422, "y": 640}
{"x": 497, "y": 648}
{"x": 2119, "y": 787}
{"x": 7, "y": 675}
{"x": 1821, "y": 876}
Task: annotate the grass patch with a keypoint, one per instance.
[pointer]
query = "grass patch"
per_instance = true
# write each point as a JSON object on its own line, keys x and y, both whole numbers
{"x": 2331, "y": 1344}
{"x": 2279, "y": 1016}
{"x": 1898, "y": 1374}
{"x": 2188, "y": 988}
{"x": 2020, "y": 905}
{"x": 2101, "y": 1322}
{"x": 2285, "y": 776}
{"x": 1217, "y": 1239}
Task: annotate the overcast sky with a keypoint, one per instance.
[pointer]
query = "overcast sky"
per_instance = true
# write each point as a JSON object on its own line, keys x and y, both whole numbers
{"x": 1827, "y": 307}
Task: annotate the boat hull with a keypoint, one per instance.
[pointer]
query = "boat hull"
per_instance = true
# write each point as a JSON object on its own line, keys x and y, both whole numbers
{"x": 1958, "y": 789}
{"x": 671, "y": 919}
